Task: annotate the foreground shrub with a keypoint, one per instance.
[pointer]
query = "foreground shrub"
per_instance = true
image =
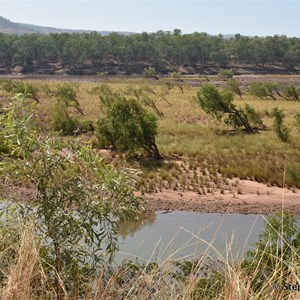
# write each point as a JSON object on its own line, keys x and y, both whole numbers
{"x": 78, "y": 205}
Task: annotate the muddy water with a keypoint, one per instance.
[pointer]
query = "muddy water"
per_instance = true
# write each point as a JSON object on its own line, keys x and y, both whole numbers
{"x": 189, "y": 235}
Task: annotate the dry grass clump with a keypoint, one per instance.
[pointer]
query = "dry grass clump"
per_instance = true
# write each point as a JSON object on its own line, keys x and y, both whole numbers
{"x": 25, "y": 278}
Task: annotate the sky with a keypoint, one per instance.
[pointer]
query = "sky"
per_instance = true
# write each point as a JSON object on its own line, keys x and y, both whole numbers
{"x": 250, "y": 18}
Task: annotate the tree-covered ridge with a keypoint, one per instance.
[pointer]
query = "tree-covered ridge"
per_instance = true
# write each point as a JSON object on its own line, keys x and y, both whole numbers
{"x": 163, "y": 50}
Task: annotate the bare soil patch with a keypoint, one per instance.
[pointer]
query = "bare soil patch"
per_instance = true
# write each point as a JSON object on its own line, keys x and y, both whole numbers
{"x": 257, "y": 198}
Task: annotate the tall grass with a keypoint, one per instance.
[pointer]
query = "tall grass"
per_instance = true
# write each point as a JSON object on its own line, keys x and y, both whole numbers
{"x": 221, "y": 276}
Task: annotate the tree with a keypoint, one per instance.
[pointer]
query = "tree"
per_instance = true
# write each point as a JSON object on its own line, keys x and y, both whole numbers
{"x": 150, "y": 73}
{"x": 61, "y": 119}
{"x": 219, "y": 104}
{"x": 233, "y": 85}
{"x": 280, "y": 129}
{"x": 263, "y": 89}
{"x": 129, "y": 127}
{"x": 291, "y": 92}
{"x": 225, "y": 74}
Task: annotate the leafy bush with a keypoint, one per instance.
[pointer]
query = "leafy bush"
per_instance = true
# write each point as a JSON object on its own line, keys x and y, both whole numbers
{"x": 280, "y": 129}
{"x": 265, "y": 90}
{"x": 61, "y": 118}
{"x": 150, "y": 73}
{"x": 66, "y": 94}
{"x": 233, "y": 85}
{"x": 219, "y": 104}
{"x": 276, "y": 247}
{"x": 176, "y": 76}
{"x": 20, "y": 87}
{"x": 291, "y": 92}
{"x": 225, "y": 74}
{"x": 128, "y": 127}
{"x": 62, "y": 121}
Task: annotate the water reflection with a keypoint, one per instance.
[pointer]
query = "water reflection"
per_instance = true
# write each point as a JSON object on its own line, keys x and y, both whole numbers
{"x": 128, "y": 229}
{"x": 184, "y": 234}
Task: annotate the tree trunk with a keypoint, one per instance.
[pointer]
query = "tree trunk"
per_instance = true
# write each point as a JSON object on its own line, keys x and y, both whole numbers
{"x": 243, "y": 118}
{"x": 57, "y": 271}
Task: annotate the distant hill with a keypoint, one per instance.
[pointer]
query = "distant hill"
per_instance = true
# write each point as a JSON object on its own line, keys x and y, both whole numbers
{"x": 8, "y": 27}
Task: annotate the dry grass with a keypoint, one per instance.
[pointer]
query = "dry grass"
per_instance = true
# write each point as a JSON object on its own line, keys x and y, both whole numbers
{"x": 221, "y": 277}
{"x": 26, "y": 276}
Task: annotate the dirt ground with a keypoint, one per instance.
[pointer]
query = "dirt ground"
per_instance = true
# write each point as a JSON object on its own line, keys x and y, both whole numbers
{"x": 257, "y": 198}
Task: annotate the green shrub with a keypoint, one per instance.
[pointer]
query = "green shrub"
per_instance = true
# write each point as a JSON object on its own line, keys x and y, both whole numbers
{"x": 225, "y": 74}
{"x": 62, "y": 121}
{"x": 279, "y": 241}
{"x": 79, "y": 203}
{"x": 233, "y": 85}
{"x": 280, "y": 129}
{"x": 297, "y": 118}
{"x": 176, "y": 76}
{"x": 262, "y": 90}
{"x": 20, "y": 87}
{"x": 128, "y": 127}
{"x": 291, "y": 92}
{"x": 219, "y": 104}
{"x": 150, "y": 73}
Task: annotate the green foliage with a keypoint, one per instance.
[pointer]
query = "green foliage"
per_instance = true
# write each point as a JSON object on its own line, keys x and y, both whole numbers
{"x": 106, "y": 94}
{"x": 233, "y": 85}
{"x": 160, "y": 49}
{"x": 102, "y": 75}
{"x": 176, "y": 76}
{"x": 280, "y": 129}
{"x": 280, "y": 240}
{"x": 62, "y": 121}
{"x": 291, "y": 92}
{"x": 146, "y": 96}
{"x": 79, "y": 203}
{"x": 297, "y": 119}
{"x": 150, "y": 73}
{"x": 14, "y": 123}
{"x": 225, "y": 74}
{"x": 20, "y": 87}
{"x": 253, "y": 116}
{"x": 66, "y": 94}
{"x": 265, "y": 90}
{"x": 219, "y": 104}
{"x": 128, "y": 127}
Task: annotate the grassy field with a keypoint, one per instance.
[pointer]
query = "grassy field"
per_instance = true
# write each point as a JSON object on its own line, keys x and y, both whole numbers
{"x": 200, "y": 153}
{"x": 196, "y": 142}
